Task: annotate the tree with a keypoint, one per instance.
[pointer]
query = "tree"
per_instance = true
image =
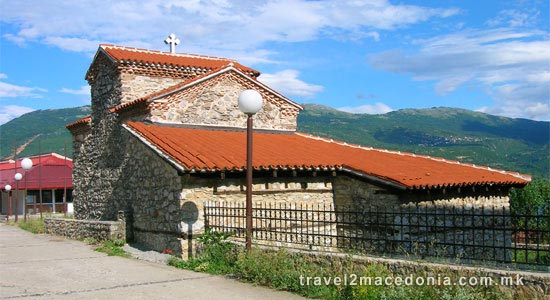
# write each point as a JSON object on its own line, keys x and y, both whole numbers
{"x": 530, "y": 211}
{"x": 534, "y": 199}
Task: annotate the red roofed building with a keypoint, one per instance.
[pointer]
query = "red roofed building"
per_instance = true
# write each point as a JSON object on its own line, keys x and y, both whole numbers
{"x": 165, "y": 130}
{"x": 51, "y": 173}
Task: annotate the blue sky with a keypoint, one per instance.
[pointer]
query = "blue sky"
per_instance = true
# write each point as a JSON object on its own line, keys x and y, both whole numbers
{"x": 370, "y": 56}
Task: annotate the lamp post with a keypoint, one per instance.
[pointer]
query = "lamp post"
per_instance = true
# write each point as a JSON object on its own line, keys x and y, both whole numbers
{"x": 17, "y": 177}
{"x": 8, "y": 190}
{"x": 250, "y": 102}
{"x": 26, "y": 164}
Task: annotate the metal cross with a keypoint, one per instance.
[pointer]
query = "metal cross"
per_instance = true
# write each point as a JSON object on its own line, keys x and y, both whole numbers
{"x": 173, "y": 41}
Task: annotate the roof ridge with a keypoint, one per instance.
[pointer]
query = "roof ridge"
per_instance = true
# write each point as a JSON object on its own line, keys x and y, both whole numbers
{"x": 410, "y": 154}
{"x": 166, "y": 53}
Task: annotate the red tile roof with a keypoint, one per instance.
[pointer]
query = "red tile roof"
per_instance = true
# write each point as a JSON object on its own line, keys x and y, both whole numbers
{"x": 82, "y": 121}
{"x": 123, "y": 54}
{"x": 49, "y": 171}
{"x": 217, "y": 150}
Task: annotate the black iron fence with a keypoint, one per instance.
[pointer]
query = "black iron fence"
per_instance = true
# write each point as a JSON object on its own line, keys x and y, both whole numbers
{"x": 463, "y": 233}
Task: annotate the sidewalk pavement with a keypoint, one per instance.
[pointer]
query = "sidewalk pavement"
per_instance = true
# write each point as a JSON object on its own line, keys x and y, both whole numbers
{"x": 46, "y": 267}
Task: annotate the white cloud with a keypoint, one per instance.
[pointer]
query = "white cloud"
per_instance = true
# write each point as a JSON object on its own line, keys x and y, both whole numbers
{"x": 287, "y": 83}
{"x": 510, "y": 65}
{"x": 10, "y": 112}
{"x": 84, "y": 90}
{"x": 3, "y": 76}
{"x": 521, "y": 101}
{"x": 8, "y": 90}
{"x": 375, "y": 109}
{"x": 225, "y": 26}
{"x": 515, "y": 18}
{"x": 449, "y": 84}
{"x": 72, "y": 44}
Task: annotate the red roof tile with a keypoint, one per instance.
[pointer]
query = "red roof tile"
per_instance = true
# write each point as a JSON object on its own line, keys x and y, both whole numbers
{"x": 82, "y": 121}
{"x": 216, "y": 150}
{"x": 143, "y": 56}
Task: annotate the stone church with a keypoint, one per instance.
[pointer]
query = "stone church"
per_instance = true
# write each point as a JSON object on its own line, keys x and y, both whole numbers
{"x": 165, "y": 131}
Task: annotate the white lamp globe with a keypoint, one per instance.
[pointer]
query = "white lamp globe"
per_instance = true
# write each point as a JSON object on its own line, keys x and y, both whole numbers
{"x": 7, "y": 187}
{"x": 26, "y": 163}
{"x": 250, "y": 102}
{"x": 18, "y": 176}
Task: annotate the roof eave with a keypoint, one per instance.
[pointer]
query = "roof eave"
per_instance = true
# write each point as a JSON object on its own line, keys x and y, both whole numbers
{"x": 377, "y": 179}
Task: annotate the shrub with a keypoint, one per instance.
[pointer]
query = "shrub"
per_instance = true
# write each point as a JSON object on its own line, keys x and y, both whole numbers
{"x": 113, "y": 248}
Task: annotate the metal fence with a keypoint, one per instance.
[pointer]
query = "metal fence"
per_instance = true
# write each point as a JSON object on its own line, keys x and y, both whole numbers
{"x": 462, "y": 233}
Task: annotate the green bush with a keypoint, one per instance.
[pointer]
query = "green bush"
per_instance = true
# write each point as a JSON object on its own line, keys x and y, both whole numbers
{"x": 217, "y": 257}
{"x": 534, "y": 199}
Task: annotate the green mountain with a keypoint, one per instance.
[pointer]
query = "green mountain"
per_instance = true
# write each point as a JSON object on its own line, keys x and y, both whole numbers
{"x": 473, "y": 137}
{"x": 46, "y": 126}
{"x": 511, "y": 144}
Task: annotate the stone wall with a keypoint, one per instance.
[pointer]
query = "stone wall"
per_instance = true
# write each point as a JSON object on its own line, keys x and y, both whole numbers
{"x": 101, "y": 155}
{"x": 99, "y": 152}
{"x": 354, "y": 193}
{"x": 137, "y": 86}
{"x": 425, "y": 223}
{"x": 81, "y": 229}
{"x": 285, "y": 190}
{"x": 214, "y": 103}
{"x": 152, "y": 187}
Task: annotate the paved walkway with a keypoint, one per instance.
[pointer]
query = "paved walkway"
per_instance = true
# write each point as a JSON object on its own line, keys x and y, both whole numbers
{"x": 45, "y": 267}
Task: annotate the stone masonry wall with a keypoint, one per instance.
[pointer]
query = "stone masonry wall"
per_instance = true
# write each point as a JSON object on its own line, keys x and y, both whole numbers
{"x": 288, "y": 191}
{"x": 136, "y": 86}
{"x": 292, "y": 191}
{"x": 81, "y": 229}
{"x": 438, "y": 223}
{"x": 101, "y": 157}
{"x": 214, "y": 102}
{"x": 99, "y": 152}
{"x": 153, "y": 188}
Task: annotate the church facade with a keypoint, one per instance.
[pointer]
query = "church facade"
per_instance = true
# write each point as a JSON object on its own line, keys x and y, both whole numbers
{"x": 166, "y": 134}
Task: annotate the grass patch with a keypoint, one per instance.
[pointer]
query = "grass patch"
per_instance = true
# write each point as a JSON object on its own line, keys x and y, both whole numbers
{"x": 113, "y": 248}
{"x": 288, "y": 271}
{"x": 33, "y": 226}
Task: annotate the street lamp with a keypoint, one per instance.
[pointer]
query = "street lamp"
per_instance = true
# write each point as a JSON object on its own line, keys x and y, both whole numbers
{"x": 8, "y": 190}
{"x": 26, "y": 164}
{"x": 250, "y": 102}
{"x": 17, "y": 177}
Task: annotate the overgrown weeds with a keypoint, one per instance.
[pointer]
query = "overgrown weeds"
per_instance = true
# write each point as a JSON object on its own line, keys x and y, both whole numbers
{"x": 315, "y": 276}
{"x": 113, "y": 248}
{"x": 33, "y": 226}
